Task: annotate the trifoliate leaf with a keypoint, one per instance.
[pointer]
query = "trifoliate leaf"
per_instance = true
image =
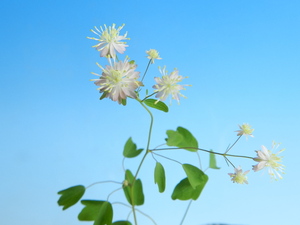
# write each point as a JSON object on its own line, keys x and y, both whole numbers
{"x": 182, "y": 138}
{"x": 105, "y": 215}
{"x": 212, "y": 161}
{"x": 195, "y": 176}
{"x": 130, "y": 149}
{"x": 70, "y": 196}
{"x": 156, "y": 105}
{"x": 159, "y": 177}
{"x": 100, "y": 212}
{"x": 185, "y": 191}
{"x": 133, "y": 189}
{"x": 90, "y": 211}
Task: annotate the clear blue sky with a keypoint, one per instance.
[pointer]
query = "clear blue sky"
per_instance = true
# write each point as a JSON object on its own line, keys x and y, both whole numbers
{"x": 242, "y": 58}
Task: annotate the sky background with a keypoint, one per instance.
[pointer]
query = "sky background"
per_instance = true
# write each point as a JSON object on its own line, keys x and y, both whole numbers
{"x": 242, "y": 59}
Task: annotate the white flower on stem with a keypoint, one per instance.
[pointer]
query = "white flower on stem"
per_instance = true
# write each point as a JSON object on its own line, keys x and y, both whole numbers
{"x": 110, "y": 40}
{"x": 167, "y": 85}
{"x": 153, "y": 54}
{"x": 266, "y": 158}
{"x": 245, "y": 130}
{"x": 239, "y": 176}
{"x": 118, "y": 80}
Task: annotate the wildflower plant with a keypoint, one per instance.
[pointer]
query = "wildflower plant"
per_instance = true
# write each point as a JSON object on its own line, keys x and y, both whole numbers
{"x": 119, "y": 81}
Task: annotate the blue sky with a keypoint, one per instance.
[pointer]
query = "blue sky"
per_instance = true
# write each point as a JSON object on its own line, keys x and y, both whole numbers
{"x": 242, "y": 59}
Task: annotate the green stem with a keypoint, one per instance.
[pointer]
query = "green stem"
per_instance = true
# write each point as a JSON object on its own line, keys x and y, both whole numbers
{"x": 204, "y": 150}
{"x": 167, "y": 158}
{"x": 141, "y": 163}
{"x": 101, "y": 182}
{"x": 121, "y": 203}
{"x": 186, "y": 211}
{"x": 133, "y": 211}
{"x": 149, "y": 138}
{"x": 146, "y": 70}
{"x": 148, "y": 96}
{"x": 144, "y": 74}
{"x": 233, "y": 144}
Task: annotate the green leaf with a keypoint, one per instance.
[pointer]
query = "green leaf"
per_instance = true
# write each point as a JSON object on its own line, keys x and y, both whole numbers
{"x": 182, "y": 138}
{"x": 159, "y": 177}
{"x": 156, "y": 105}
{"x": 70, "y": 196}
{"x": 195, "y": 176}
{"x": 212, "y": 161}
{"x": 105, "y": 215}
{"x": 130, "y": 149}
{"x": 184, "y": 190}
{"x": 90, "y": 211}
{"x": 99, "y": 211}
{"x": 123, "y": 222}
{"x": 133, "y": 190}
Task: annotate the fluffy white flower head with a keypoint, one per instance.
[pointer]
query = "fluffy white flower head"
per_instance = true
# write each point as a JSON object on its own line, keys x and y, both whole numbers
{"x": 245, "y": 130}
{"x": 110, "y": 40}
{"x": 153, "y": 54}
{"x": 167, "y": 85}
{"x": 266, "y": 158}
{"x": 239, "y": 176}
{"x": 118, "y": 80}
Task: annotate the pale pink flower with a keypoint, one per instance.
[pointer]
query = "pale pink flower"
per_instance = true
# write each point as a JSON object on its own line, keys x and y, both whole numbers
{"x": 110, "y": 40}
{"x": 239, "y": 176}
{"x": 118, "y": 80}
{"x": 167, "y": 85}
{"x": 266, "y": 158}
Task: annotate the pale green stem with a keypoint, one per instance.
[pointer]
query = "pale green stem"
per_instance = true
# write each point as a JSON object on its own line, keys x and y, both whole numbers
{"x": 204, "y": 150}
{"x": 149, "y": 138}
{"x": 101, "y": 182}
{"x": 146, "y": 70}
{"x": 121, "y": 203}
{"x": 148, "y": 96}
{"x": 114, "y": 192}
{"x": 133, "y": 211}
{"x": 144, "y": 74}
{"x": 186, "y": 211}
{"x": 233, "y": 144}
{"x": 140, "y": 165}
{"x": 167, "y": 158}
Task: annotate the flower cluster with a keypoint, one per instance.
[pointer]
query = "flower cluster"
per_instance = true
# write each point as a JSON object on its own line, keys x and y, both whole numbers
{"x": 119, "y": 79}
{"x": 152, "y": 54}
{"x": 168, "y": 85}
{"x": 239, "y": 176}
{"x": 245, "y": 130}
{"x": 267, "y": 159}
{"x": 110, "y": 41}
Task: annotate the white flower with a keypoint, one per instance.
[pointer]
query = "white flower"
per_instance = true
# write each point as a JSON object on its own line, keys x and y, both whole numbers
{"x": 266, "y": 158}
{"x": 245, "y": 130}
{"x": 110, "y": 41}
{"x": 239, "y": 176}
{"x": 167, "y": 85}
{"x": 152, "y": 54}
{"x": 118, "y": 80}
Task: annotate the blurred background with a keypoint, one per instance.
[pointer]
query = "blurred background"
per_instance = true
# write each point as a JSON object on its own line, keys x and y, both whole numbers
{"x": 242, "y": 60}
